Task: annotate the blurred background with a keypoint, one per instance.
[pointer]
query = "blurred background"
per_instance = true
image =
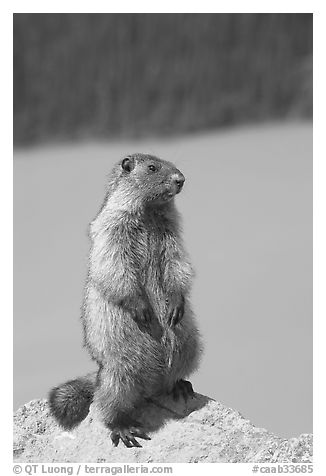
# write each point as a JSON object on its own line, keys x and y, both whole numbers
{"x": 228, "y": 98}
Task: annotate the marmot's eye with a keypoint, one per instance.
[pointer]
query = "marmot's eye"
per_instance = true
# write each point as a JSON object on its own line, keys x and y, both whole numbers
{"x": 152, "y": 168}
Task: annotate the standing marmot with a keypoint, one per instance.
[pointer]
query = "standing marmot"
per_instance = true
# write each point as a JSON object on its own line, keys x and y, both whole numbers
{"x": 138, "y": 324}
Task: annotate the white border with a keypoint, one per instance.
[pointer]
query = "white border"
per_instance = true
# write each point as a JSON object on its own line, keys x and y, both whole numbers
{"x": 319, "y": 188}
{"x": 183, "y": 6}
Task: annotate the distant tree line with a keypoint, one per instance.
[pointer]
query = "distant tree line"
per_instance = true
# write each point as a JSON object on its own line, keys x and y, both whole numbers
{"x": 127, "y": 75}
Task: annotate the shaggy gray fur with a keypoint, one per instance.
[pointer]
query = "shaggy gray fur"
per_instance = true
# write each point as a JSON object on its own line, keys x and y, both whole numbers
{"x": 137, "y": 318}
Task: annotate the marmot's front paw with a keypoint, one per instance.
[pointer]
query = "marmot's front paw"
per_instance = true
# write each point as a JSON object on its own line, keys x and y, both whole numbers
{"x": 142, "y": 313}
{"x": 176, "y": 309}
{"x": 140, "y": 309}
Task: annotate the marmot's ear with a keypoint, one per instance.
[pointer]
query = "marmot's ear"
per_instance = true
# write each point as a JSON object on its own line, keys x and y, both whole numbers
{"x": 128, "y": 164}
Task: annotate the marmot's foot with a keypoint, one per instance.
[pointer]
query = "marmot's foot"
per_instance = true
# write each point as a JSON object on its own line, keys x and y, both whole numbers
{"x": 184, "y": 388}
{"x": 127, "y": 435}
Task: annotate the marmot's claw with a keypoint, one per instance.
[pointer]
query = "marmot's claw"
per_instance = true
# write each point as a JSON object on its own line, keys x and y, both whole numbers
{"x": 115, "y": 438}
{"x": 180, "y": 313}
{"x": 184, "y": 388}
{"x": 127, "y": 435}
{"x": 177, "y": 313}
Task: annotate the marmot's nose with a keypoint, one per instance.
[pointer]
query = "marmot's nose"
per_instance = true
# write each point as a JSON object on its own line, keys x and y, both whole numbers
{"x": 179, "y": 180}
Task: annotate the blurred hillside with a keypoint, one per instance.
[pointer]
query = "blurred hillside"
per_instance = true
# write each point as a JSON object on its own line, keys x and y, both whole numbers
{"x": 113, "y": 75}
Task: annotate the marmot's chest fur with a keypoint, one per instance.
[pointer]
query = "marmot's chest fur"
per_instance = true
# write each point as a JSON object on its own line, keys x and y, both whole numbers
{"x": 154, "y": 233}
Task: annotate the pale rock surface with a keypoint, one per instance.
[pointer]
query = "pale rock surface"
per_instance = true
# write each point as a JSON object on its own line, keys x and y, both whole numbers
{"x": 199, "y": 431}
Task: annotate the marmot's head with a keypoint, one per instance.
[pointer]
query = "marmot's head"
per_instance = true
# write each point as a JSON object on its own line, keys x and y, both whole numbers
{"x": 146, "y": 179}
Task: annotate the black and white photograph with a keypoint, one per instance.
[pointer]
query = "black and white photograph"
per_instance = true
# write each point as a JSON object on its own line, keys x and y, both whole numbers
{"x": 162, "y": 239}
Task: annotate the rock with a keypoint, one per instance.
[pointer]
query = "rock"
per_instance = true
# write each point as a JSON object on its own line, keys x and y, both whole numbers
{"x": 199, "y": 431}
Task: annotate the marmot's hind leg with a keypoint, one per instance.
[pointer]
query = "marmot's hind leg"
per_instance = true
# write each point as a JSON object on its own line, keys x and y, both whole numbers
{"x": 182, "y": 388}
{"x": 116, "y": 399}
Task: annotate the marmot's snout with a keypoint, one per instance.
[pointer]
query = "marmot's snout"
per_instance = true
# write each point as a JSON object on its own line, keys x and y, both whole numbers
{"x": 178, "y": 179}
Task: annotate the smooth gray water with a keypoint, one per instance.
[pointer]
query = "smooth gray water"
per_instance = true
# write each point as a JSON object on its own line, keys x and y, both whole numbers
{"x": 247, "y": 212}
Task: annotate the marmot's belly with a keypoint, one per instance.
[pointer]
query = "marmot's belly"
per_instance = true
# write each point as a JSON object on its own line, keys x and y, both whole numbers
{"x": 116, "y": 340}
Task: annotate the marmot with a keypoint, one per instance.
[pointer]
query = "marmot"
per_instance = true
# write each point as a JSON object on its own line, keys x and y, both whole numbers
{"x": 137, "y": 319}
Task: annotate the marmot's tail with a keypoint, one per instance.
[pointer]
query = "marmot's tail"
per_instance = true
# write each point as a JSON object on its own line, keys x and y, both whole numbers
{"x": 70, "y": 402}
